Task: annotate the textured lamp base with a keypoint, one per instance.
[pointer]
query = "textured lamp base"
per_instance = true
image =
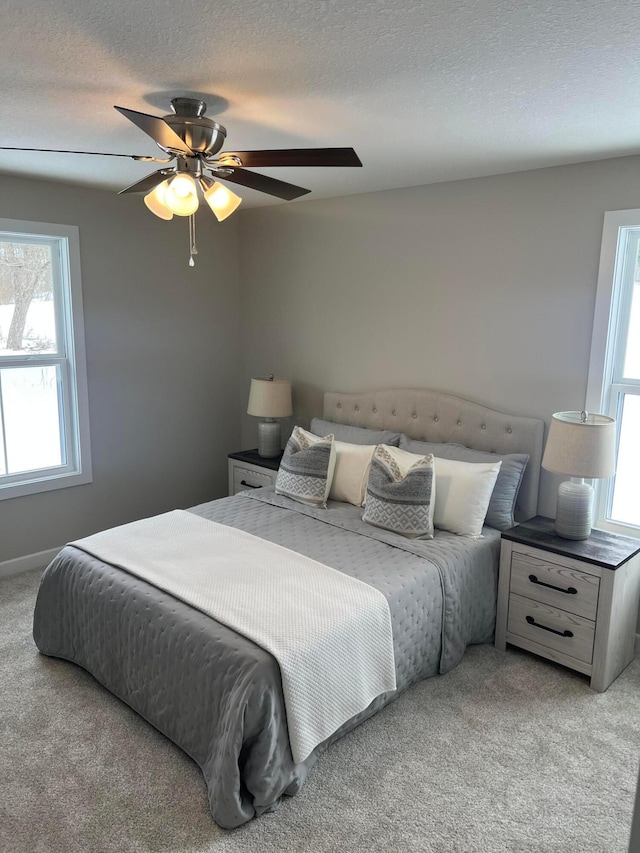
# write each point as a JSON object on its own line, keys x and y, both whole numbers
{"x": 573, "y": 513}
{"x": 269, "y": 438}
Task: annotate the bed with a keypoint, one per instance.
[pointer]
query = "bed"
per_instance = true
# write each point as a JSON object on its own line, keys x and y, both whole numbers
{"x": 217, "y": 694}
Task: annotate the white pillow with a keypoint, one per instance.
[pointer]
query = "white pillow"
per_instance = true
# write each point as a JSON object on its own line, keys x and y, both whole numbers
{"x": 351, "y": 472}
{"x": 462, "y": 495}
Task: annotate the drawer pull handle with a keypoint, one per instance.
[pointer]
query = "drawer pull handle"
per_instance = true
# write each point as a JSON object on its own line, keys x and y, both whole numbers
{"x": 249, "y": 485}
{"x": 532, "y": 621}
{"x": 571, "y": 591}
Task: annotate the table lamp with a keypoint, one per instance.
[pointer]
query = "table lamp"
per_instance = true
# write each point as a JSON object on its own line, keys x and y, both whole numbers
{"x": 269, "y": 399}
{"x": 581, "y": 445}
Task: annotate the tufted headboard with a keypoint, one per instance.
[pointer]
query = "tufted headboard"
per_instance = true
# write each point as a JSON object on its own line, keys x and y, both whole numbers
{"x": 434, "y": 416}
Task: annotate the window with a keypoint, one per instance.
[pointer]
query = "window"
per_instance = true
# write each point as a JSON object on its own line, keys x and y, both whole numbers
{"x": 44, "y": 423}
{"x": 614, "y": 373}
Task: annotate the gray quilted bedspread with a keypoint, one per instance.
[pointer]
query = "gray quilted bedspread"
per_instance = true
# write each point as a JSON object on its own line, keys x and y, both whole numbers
{"x": 215, "y": 693}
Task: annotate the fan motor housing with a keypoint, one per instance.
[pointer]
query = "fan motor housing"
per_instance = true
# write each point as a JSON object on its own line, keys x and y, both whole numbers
{"x": 201, "y": 134}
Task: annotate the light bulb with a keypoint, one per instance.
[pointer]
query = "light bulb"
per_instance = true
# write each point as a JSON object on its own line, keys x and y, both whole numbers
{"x": 156, "y": 203}
{"x": 221, "y": 201}
{"x": 181, "y": 196}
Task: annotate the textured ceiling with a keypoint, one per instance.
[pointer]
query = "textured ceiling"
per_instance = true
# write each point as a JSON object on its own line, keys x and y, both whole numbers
{"x": 424, "y": 91}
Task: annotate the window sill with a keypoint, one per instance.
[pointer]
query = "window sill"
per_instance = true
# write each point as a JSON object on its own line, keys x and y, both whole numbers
{"x": 45, "y": 484}
{"x": 631, "y": 531}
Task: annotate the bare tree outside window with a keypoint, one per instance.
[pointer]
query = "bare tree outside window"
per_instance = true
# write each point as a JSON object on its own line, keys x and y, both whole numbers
{"x": 44, "y": 418}
{"x": 27, "y": 320}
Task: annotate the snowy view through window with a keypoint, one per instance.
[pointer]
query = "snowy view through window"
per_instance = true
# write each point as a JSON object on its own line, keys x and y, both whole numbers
{"x": 625, "y": 504}
{"x": 30, "y": 436}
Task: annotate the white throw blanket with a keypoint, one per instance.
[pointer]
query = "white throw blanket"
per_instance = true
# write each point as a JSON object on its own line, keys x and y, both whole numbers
{"x": 330, "y": 633}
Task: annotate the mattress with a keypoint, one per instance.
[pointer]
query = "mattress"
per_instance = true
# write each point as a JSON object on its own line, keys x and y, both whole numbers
{"x": 218, "y": 695}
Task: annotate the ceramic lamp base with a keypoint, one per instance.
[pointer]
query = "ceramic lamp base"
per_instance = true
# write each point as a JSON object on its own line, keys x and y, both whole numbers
{"x": 269, "y": 438}
{"x": 573, "y": 512}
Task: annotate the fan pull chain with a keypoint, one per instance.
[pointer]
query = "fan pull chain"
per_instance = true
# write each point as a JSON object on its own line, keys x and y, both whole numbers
{"x": 193, "y": 250}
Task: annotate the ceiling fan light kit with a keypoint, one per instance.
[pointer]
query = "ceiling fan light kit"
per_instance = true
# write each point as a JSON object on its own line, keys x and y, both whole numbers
{"x": 221, "y": 200}
{"x": 181, "y": 196}
{"x": 156, "y": 203}
{"x": 193, "y": 141}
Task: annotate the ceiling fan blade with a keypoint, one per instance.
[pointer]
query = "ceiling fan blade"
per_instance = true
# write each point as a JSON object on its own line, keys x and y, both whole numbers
{"x": 95, "y": 153}
{"x": 296, "y": 157}
{"x": 157, "y": 129}
{"x": 263, "y": 184}
{"x": 145, "y": 185}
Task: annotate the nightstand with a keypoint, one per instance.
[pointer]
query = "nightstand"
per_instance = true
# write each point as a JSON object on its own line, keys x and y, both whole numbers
{"x": 248, "y": 470}
{"x": 574, "y": 602}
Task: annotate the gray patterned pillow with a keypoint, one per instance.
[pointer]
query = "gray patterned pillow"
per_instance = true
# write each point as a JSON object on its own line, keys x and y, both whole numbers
{"x": 401, "y": 492}
{"x": 306, "y": 469}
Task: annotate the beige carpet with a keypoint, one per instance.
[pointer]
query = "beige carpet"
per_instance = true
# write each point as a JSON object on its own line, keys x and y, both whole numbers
{"x": 505, "y": 753}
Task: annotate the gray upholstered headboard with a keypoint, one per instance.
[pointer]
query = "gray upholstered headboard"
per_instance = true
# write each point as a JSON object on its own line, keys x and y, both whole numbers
{"x": 434, "y": 416}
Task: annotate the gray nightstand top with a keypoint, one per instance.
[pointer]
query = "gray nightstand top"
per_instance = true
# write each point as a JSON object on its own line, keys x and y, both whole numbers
{"x": 602, "y": 548}
{"x": 254, "y": 458}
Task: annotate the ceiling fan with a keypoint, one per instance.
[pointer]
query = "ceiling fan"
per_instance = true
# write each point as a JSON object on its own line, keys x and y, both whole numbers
{"x": 193, "y": 142}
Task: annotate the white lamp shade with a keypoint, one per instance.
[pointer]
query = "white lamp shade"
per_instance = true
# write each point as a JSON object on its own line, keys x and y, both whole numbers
{"x": 155, "y": 201}
{"x": 270, "y": 398}
{"x": 221, "y": 201}
{"x": 181, "y": 196}
{"x": 581, "y": 445}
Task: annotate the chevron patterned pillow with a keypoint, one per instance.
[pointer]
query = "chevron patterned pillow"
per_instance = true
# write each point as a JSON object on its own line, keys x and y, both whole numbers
{"x": 306, "y": 469}
{"x": 401, "y": 492}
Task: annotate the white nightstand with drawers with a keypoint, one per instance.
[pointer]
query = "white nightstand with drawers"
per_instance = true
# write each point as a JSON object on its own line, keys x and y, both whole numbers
{"x": 574, "y": 602}
{"x": 248, "y": 470}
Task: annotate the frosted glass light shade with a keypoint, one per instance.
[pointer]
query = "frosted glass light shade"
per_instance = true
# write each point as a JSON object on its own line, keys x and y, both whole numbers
{"x": 156, "y": 203}
{"x": 181, "y": 196}
{"x": 221, "y": 201}
{"x": 270, "y": 398}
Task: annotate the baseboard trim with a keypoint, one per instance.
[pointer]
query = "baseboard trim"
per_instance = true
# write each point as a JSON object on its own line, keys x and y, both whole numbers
{"x": 30, "y": 561}
{"x": 636, "y": 647}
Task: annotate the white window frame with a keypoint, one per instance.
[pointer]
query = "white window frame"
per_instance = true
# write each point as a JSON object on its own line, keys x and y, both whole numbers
{"x": 605, "y": 390}
{"x": 70, "y": 359}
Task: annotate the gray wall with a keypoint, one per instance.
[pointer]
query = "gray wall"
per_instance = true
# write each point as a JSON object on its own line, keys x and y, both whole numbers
{"x": 484, "y": 288}
{"x": 162, "y": 361}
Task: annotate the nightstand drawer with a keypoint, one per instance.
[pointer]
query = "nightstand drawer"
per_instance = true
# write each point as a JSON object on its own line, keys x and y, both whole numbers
{"x": 249, "y": 470}
{"x": 551, "y": 627}
{"x": 245, "y": 478}
{"x": 566, "y": 588}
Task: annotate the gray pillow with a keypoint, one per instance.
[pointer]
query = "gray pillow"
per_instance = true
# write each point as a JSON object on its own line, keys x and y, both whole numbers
{"x": 400, "y": 500}
{"x": 505, "y": 492}
{"x": 306, "y": 469}
{"x": 355, "y": 435}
